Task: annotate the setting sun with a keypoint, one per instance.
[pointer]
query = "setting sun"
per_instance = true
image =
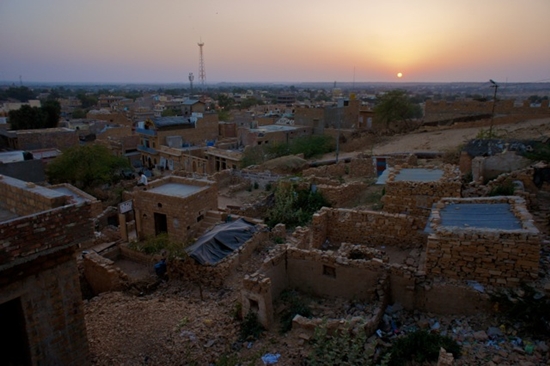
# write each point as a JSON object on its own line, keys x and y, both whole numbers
{"x": 399, "y": 75}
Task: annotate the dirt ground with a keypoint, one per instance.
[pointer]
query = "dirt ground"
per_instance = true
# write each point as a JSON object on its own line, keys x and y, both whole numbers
{"x": 173, "y": 326}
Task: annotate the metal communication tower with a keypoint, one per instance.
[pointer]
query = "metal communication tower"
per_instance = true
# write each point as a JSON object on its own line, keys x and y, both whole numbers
{"x": 191, "y": 78}
{"x": 202, "y": 73}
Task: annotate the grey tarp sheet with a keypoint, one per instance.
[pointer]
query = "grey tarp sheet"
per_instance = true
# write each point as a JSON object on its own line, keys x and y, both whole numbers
{"x": 221, "y": 241}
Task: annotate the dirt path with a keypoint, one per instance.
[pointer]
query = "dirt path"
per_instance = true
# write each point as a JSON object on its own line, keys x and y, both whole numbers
{"x": 451, "y": 138}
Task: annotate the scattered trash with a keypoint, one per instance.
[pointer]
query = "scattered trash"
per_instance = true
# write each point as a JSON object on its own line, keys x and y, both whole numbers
{"x": 270, "y": 358}
{"x": 476, "y": 286}
{"x": 379, "y": 333}
{"x": 188, "y": 334}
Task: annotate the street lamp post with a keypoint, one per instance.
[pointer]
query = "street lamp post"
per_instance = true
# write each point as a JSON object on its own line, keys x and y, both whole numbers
{"x": 493, "y": 85}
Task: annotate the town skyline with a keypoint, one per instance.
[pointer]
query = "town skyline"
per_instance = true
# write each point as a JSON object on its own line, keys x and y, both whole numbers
{"x": 287, "y": 42}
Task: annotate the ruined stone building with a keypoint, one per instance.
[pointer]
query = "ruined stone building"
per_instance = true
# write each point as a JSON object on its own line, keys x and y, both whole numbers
{"x": 41, "y": 308}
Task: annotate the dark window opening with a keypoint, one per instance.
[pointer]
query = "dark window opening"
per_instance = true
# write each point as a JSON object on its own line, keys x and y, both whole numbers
{"x": 329, "y": 271}
{"x": 200, "y": 218}
{"x": 14, "y": 344}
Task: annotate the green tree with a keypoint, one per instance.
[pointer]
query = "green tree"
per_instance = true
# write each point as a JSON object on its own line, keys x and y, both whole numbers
{"x": 225, "y": 102}
{"x": 27, "y": 118}
{"x": 394, "y": 106}
{"x": 22, "y": 93}
{"x": 86, "y": 166}
{"x": 88, "y": 101}
{"x": 79, "y": 113}
{"x": 52, "y": 109}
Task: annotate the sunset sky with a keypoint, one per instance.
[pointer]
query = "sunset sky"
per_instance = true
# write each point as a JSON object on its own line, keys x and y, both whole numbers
{"x": 275, "y": 41}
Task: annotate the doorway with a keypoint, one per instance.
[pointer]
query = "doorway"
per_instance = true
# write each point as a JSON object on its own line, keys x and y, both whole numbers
{"x": 14, "y": 345}
{"x": 161, "y": 223}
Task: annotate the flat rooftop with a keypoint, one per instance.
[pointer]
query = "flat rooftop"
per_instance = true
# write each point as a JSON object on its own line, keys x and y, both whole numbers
{"x": 176, "y": 189}
{"x": 478, "y": 215}
{"x": 418, "y": 175}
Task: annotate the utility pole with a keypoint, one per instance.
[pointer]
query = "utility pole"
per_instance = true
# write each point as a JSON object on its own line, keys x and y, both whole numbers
{"x": 494, "y": 85}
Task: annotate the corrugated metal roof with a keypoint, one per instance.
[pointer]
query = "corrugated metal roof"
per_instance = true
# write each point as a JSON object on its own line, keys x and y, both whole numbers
{"x": 478, "y": 215}
{"x": 418, "y": 175}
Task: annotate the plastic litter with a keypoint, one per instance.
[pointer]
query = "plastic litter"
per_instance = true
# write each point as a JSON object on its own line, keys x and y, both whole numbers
{"x": 270, "y": 358}
{"x": 476, "y": 286}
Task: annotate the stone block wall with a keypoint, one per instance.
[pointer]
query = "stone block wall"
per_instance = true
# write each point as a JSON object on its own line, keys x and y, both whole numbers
{"x": 364, "y": 227}
{"x": 342, "y": 194}
{"x": 417, "y": 198}
{"x": 23, "y": 198}
{"x": 489, "y": 256}
{"x": 51, "y": 302}
{"x": 57, "y": 138}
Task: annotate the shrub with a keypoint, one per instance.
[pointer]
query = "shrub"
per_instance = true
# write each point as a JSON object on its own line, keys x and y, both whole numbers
{"x": 251, "y": 328}
{"x": 505, "y": 189}
{"x": 294, "y": 207}
{"x": 341, "y": 348}
{"x": 256, "y": 185}
{"x": 161, "y": 243}
{"x": 295, "y": 307}
{"x": 420, "y": 347}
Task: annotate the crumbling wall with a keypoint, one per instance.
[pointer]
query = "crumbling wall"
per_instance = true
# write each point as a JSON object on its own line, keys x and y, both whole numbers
{"x": 356, "y": 168}
{"x": 101, "y": 273}
{"x": 364, "y": 227}
{"x": 490, "y": 256}
{"x": 342, "y": 194}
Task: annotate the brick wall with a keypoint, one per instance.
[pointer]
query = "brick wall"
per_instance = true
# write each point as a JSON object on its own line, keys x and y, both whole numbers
{"x": 29, "y": 236}
{"x": 490, "y": 256}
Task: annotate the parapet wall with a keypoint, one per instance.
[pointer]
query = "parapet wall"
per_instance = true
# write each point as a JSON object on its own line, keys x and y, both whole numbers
{"x": 23, "y": 198}
{"x": 417, "y": 198}
{"x": 364, "y": 227}
{"x": 490, "y": 256}
{"x": 472, "y": 107}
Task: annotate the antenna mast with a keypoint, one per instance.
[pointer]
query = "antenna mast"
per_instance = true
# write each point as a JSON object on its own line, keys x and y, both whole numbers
{"x": 202, "y": 73}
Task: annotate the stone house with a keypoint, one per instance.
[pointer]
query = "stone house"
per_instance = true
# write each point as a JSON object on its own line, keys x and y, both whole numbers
{"x": 173, "y": 205}
{"x": 40, "y": 299}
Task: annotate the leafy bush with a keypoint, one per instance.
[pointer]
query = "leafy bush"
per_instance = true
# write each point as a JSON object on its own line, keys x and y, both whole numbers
{"x": 295, "y": 307}
{"x": 161, "y": 243}
{"x": 251, "y": 328}
{"x": 420, "y": 347}
{"x": 505, "y": 189}
{"x": 294, "y": 207}
{"x": 540, "y": 152}
{"x": 341, "y": 348}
